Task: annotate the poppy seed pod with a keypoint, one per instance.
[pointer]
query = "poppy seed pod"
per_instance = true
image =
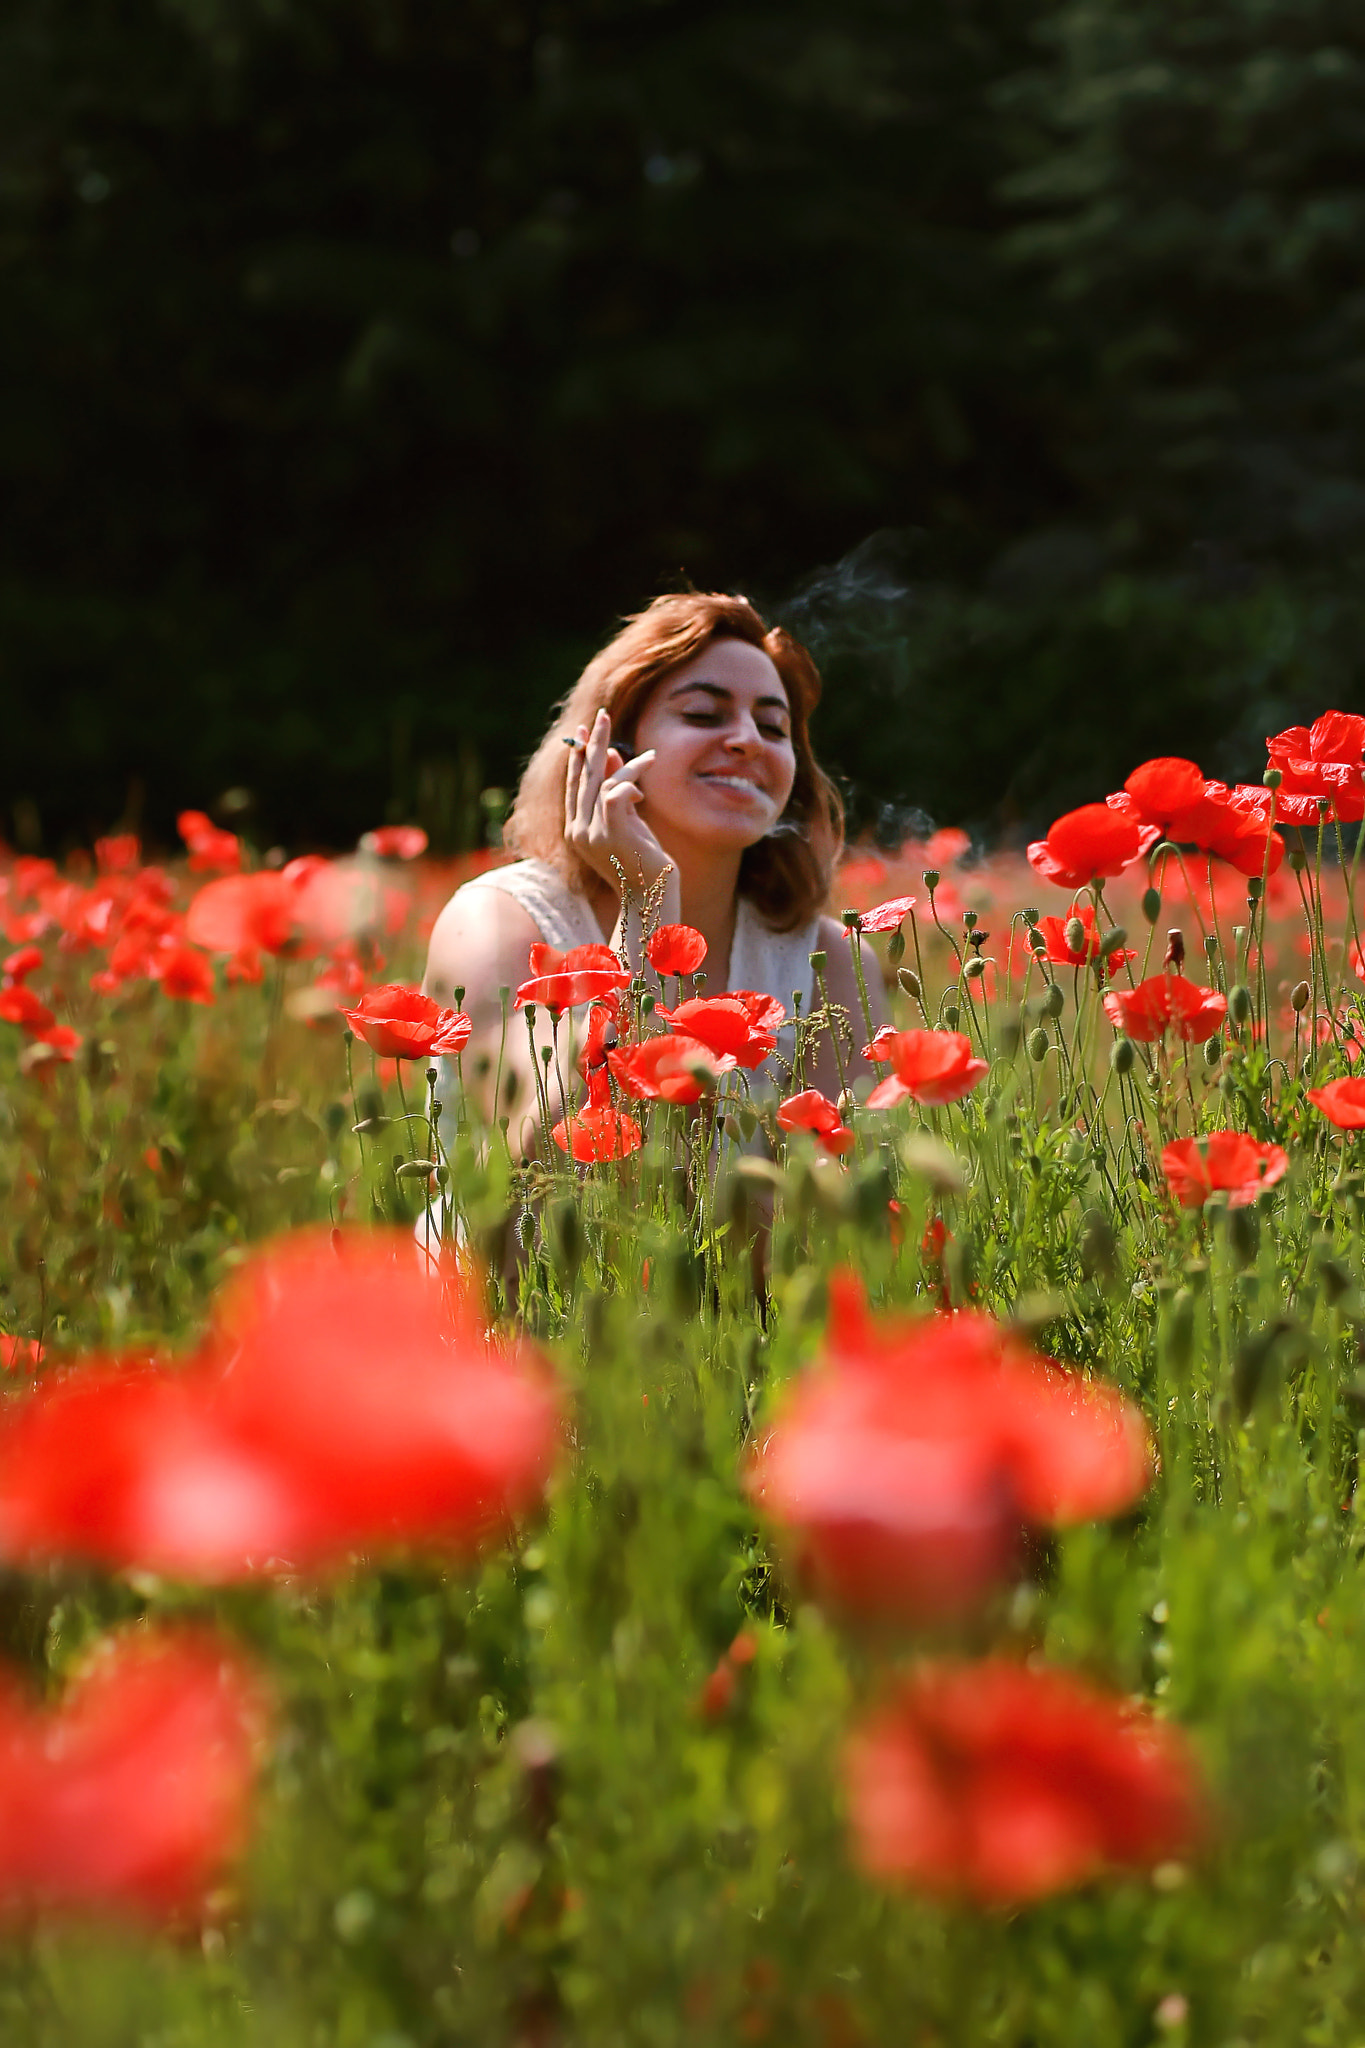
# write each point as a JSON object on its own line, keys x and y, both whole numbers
{"x": 1298, "y": 997}
{"x": 1272, "y": 778}
{"x": 1151, "y": 905}
{"x": 1255, "y": 889}
{"x": 911, "y": 983}
{"x": 1039, "y": 1044}
{"x": 852, "y": 921}
{"x": 1053, "y": 1000}
{"x": 1075, "y": 935}
{"x": 1211, "y": 945}
{"x": 932, "y": 878}
{"x": 969, "y": 920}
{"x": 1239, "y": 1003}
{"x": 1298, "y": 859}
{"x": 1122, "y": 1057}
{"x": 951, "y": 1016}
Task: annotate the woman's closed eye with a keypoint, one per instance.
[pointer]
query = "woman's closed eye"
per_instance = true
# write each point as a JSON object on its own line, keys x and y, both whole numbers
{"x": 767, "y": 732}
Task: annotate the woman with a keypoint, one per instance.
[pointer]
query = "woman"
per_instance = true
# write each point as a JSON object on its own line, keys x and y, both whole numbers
{"x": 681, "y": 759}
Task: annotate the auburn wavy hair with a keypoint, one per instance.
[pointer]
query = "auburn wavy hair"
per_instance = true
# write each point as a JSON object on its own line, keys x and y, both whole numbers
{"x": 786, "y": 875}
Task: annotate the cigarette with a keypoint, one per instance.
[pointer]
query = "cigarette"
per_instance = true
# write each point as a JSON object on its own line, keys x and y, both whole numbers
{"x": 570, "y": 742}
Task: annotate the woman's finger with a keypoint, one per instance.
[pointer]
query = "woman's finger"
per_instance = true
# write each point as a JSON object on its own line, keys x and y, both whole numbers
{"x": 631, "y": 771}
{"x": 594, "y": 768}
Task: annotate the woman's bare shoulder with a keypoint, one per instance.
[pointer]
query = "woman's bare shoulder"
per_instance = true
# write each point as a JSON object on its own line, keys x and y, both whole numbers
{"x": 480, "y": 942}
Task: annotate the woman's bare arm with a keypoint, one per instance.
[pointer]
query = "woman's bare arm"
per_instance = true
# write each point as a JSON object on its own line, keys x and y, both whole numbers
{"x": 481, "y": 942}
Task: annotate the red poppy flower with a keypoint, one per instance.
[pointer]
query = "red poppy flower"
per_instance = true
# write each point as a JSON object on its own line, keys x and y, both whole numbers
{"x": 20, "y": 1354}
{"x": 927, "y": 1066}
{"x": 209, "y": 848}
{"x": 1321, "y": 760}
{"x": 604, "y": 1020}
{"x": 242, "y": 914}
{"x": 395, "y": 842}
{"x": 598, "y": 1132}
{"x": 19, "y": 1005}
{"x": 132, "y": 1795}
{"x": 402, "y": 1024}
{"x": 1001, "y": 1783}
{"x": 1342, "y": 1102}
{"x": 675, "y": 949}
{"x": 341, "y": 1403}
{"x": 879, "y": 1046}
{"x": 1060, "y": 950}
{"x": 20, "y": 965}
{"x": 1098, "y": 839}
{"x": 906, "y": 1468}
{"x": 729, "y": 1024}
{"x": 672, "y": 1068}
{"x": 59, "y": 1042}
{"x": 1225, "y": 1160}
{"x": 888, "y": 916}
{"x": 1166, "y": 1002}
{"x": 812, "y": 1111}
{"x": 118, "y": 853}
{"x": 561, "y": 981}
{"x": 184, "y": 974}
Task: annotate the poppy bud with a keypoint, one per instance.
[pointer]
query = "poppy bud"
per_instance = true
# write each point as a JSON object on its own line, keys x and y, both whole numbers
{"x": 1122, "y": 1057}
{"x": 911, "y": 983}
{"x": 1298, "y": 996}
{"x": 848, "y": 1104}
{"x": 416, "y": 1169}
{"x": 975, "y": 968}
{"x": 526, "y": 1230}
{"x": 1038, "y": 941}
{"x": 646, "y": 1005}
{"x": 1113, "y": 941}
{"x": 1298, "y": 859}
{"x": 1151, "y": 905}
{"x": 1075, "y": 935}
{"x": 895, "y": 947}
{"x": 951, "y": 1016}
{"x": 1175, "y": 949}
{"x": 369, "y": 1125}
{"x": 1239, "y": 1003}
{"x": 1213, "y": 1050}
{"x": 1272, "y": 778}
{"x": 433, "y": 1076}
{"x": 1039, "y": 1043}
{"x": 1030, "y": 917}
{"x": 1053, "y": 1000}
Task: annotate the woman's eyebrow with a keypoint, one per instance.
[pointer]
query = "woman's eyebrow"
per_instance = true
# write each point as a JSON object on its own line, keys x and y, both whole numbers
{"x": 726, "y": 696}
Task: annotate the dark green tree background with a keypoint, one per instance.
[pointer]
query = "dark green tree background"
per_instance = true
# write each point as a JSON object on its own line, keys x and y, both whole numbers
{"x": 362, "y": 360}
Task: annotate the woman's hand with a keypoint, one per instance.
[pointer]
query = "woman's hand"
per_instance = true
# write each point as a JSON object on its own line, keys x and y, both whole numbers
{"x": 602, "y": 799}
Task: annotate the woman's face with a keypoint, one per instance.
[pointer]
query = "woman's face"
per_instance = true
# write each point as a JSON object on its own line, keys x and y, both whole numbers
{"x": 720, "y": 727}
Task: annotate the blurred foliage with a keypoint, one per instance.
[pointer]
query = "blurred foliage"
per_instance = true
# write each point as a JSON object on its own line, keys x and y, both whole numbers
{"x": 361, "y": 362}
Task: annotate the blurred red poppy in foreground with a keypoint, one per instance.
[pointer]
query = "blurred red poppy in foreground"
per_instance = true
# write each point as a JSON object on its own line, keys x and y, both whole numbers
{"x": 1002, "y": 1784}
{"x": 341, "y": 1402}
{"x": 1226, "y": 1161}
{"x": 812, "y": 1111}
{"x": 561, "y": 981}
{"x": 1166, "y": 1002}
{"x": 1098, "y": 839}
{"x": 402, "y": 1024}
{"x": 599, "y": 1131}
{"x": 741, "y": 1023}
{"x": 926, "y": 1066}
{"x": 906, "y": 1465}
{"x": 1342, "y": 1102}
{"x": 1317, "y": 761}
{"x": 672, "y": 1068}
{"x": 209, "y": 847}
{"x": 132, "y": 1795}
{"x": 675, "y": 949}
{"x": 242, "y": 914}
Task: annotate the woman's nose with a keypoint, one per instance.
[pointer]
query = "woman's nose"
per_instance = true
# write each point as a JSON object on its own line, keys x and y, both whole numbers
{"x": 744, "y": 737}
